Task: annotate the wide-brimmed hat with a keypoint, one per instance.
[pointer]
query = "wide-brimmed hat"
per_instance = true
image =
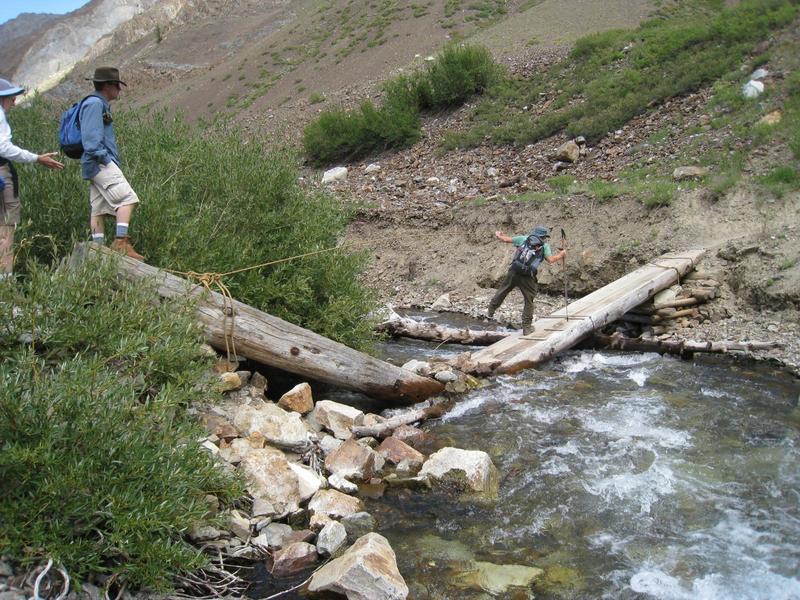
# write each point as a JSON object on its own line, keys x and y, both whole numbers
{"x": 9, "y": 89}
{"x": 106, "y": 75}
{"x": 540, "y": 231}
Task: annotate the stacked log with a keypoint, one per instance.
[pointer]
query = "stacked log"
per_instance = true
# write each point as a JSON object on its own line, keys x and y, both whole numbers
{"x": 679, "y": 305}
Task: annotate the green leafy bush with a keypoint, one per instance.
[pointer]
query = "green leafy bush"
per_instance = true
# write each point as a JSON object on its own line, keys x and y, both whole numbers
{"x": 209, "y": 203}
{"x": 457, "y": 73}
{"x": 100, "y": 468}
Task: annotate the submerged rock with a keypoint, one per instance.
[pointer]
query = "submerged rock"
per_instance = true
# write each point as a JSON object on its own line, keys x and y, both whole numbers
{"x": 367, "y": 571}
{"x": 496, "y": 579}
{"x": 471, "y": 469}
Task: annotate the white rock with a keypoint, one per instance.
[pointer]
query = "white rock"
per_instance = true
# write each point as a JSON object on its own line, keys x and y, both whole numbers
{"x": 682, "y": 173}
{"x": 372, "y": 168}
{"x": 334, "y": 504}
{"x": 239, "y": 525}
{"x": 759, "y": 74}
{"x": 752, "y": 89}
{"x": 473, "y": 468}
{"x": 332, "y": 537}
{"x": 441, "y": 302}
{"x": 445, "y": 376}
{"x": 270, "y": 477}
{"x": 328, "y": 444}
{"x": 338, "y": 482}
{"x": 432, "y": 180}
{"x": 420, "y": 367}
{"x": 279, "y": 427}
{"x": 308, "y": 482}
{"x": 367, "y": 571}
{"x": 337, "y": 418}
{"x": 491, "y": 172}
{"x": 335, "y": 174}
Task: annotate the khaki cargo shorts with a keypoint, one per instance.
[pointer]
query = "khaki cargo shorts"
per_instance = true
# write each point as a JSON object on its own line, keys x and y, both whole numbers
{"x": 108, "y": 190}
{"x": 9, "y": 203}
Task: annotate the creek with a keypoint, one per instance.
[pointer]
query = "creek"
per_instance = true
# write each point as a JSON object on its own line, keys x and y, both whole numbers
{"x": 622, "y": 476}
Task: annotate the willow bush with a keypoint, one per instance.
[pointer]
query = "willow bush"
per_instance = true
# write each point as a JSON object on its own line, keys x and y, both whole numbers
{"x": 100, "y": 466}
{"x": 211, "y": 201}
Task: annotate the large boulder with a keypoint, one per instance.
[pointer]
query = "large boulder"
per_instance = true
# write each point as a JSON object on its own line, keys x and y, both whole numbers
{"x": 471, "y": 469}
{"x": 337, "y": 418}
{"x": 293, "y": 559}
{"x": 270, "y": 477}
{"x": 568, "y": 152}
{"x": 298, "y": 399}
{"x": 367, "y": 571}
{"x": 277, "y": 426}
{"x": 354, "y": 461}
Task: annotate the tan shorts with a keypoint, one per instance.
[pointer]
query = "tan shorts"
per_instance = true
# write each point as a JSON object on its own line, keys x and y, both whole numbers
{"x": 9, "y": 203}
{"x": 108, "y": 190}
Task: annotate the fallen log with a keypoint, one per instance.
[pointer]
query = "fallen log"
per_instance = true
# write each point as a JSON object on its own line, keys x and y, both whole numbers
{"x": 269, "y": 340}
{"x": 680, "y": 302}
{"x": 679, "y": 347}
{"x": 385, "y": 428}
{"x": 396, "y": 325}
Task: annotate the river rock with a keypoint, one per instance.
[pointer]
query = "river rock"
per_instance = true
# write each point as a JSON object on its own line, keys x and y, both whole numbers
{"x": 358, "y": 525}
{"x": 472, "y": 469}
{"x": 682, "y": 173}
{"x": 335, "y": 174}
{"x": 298, "y": 399}
{"x": 396, "y": 451}
{"x": 420, "y": 367}
{"x": 229, "y": 382}
{"x": 337, "y": 418}
{"x": 413, "y": 436}
{"x": 239, "y": 525}
{"x": 354, "y": 461}
{"x": 331, "y": 539}
{"x": 328, "y": 444}
{"x": 338, "y": 482}
{"x": 334, "y": 504}
{"x": 568, "y": 152}
{"x": 270, "y": 477}
{"x": 496, "y": 579}
{"x": 308, "y": 482}
{"x": 277, "y": 426}
{"x": 293, "y": 559}
{"x": 367, "y": 571}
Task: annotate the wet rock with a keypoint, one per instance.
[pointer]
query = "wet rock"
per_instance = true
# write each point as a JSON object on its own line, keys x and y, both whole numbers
{"x": 337, "y": 418}
{"x": 331, "y": 539}
{"x": 358, "y": 525}
{"x": 270, "y": 477}
{"x": 293, "y": 559}
{"x": 353, "y": 460}
{"x": 395, "y": 451}
{"x": 367, "y": 571}
{"x": 471, "y": 469}
{"x": 496, "y": 579}
{"x": 277, "y": 426}
{"x": 298, "y": 399}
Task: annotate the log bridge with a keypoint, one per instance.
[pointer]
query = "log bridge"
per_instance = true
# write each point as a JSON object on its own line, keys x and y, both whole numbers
{"x": 564, "y": 328}
{"x": 269, "y": 340}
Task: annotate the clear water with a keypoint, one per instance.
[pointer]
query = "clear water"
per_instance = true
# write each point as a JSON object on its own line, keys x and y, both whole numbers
{"x": 622, "y": 476}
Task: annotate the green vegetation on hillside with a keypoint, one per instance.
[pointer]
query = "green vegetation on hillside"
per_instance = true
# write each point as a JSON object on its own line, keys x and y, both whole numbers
{"x": 209, "y": 203}
{"x": 611, "y": 77}
{"x": 100, "y": 467}
{"x": 457, "y": 73}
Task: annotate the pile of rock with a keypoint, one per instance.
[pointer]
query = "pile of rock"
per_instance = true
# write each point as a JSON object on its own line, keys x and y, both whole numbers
{"x": 303, "y": 466}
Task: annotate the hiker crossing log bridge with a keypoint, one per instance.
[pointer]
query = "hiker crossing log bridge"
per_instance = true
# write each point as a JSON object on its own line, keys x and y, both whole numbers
{"x": 269, "y": 340}
{"x": 564, "y": 328}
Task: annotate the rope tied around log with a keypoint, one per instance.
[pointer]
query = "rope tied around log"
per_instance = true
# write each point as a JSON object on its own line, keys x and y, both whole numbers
{"x": 210, "y": 280}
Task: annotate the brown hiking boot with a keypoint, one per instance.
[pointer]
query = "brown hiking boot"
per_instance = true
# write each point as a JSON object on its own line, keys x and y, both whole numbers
{"x": 123, "y": 246}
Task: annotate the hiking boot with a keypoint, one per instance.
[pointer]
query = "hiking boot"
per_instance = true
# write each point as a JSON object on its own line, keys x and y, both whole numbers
{"x": 490, "y": 313}
{"x": 527, "y": 329}
{"x": 123, "y": 246}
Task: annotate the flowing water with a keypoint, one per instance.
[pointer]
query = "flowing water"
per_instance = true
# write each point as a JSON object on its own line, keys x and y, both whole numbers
{"x": 622, "y": 476}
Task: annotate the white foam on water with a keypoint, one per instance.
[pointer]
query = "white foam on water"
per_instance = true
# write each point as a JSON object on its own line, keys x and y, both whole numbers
{"x": 633, "y": 419}
{"x": 639, "y": 376}
{"x": 633, "y": 490}
{"x": 577, "y": 363}
{"x": 712, "y": 393}
{"x": 754, "y": 584}
{"x": 462, "y": 408}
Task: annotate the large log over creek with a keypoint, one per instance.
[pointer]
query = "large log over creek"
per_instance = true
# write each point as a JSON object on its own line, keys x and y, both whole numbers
{"x": 272, "y": 341}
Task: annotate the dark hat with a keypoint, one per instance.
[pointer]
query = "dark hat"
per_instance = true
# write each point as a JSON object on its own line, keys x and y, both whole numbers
{"x": 9, "y": 89}
{"x": 540, "y": 231}
{"x": 106, "y": 75}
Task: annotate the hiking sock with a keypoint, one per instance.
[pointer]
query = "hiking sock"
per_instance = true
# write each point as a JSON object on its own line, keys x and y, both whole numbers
{"x": 6, "y": 276}
{"x": 122, "y": 230}
{"x": 99, "y": 238}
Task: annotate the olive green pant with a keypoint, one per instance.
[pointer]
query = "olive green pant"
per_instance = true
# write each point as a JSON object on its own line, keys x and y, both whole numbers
{"x": 527, "y": 285}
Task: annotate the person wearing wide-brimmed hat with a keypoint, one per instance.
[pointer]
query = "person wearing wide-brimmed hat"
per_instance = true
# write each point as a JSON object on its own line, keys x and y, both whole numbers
{"x": 9, "y": 182}
{"x": 520, "y": 274}
{"x": 110, "y": 194}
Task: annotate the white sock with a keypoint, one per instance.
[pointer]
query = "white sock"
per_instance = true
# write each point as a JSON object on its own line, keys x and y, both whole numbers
{"x": 6, "y": 276}
{"x": 99, "y": 238}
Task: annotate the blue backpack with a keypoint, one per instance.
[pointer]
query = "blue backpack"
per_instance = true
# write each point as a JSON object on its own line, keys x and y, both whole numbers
{"x": 69, "y": 131}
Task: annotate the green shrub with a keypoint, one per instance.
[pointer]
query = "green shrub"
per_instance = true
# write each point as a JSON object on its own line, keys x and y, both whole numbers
{"x": 100, "y": 467}
{"x": 458, "y": 73}
{"x": 560, "y": 183}
{"x": 209, "y": 203}
{"x": 781, "y": 180}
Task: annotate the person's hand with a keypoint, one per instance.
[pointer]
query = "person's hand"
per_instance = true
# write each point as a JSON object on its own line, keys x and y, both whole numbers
{"x": 47, "y": 160}
{"x": 498, "y": 235}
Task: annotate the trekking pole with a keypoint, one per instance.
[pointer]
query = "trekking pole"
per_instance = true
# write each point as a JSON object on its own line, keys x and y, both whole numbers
{"x": 564, "y": 266}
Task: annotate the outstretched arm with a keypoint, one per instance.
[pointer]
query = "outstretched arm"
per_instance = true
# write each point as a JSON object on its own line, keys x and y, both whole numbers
{"x": 556, "y": 257}
{"x": 502, "y": 237}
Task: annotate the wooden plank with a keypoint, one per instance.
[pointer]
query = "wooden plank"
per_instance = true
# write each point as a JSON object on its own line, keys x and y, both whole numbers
{"x": 269, "y": 340}
{"x": 597, "y": 309}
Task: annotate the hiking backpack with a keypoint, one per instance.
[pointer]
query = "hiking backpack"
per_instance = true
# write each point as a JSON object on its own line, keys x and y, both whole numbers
{"x": 69, "y": 131}
{"x": 529, "y": 256}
